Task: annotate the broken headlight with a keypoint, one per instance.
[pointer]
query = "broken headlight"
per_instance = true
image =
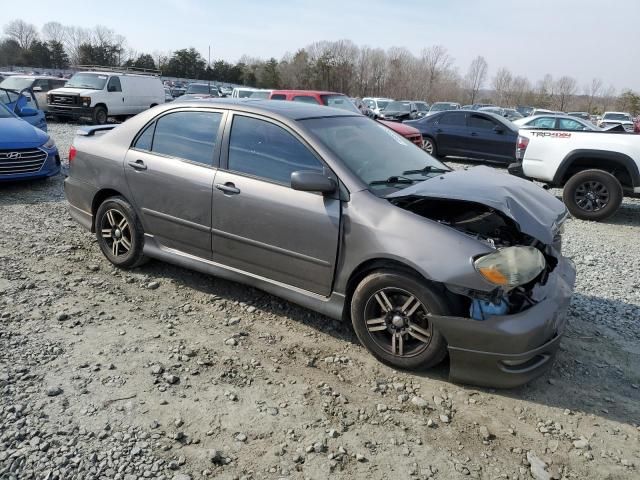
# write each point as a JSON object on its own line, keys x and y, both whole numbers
{"x": 511, "y": 266}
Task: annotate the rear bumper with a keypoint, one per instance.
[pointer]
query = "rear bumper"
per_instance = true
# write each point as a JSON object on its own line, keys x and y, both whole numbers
{"x": 80, "y": 198}
{"x": 510, "y": 350}
{"x": 516, "y": 170}
{"x": 70, "y": 112}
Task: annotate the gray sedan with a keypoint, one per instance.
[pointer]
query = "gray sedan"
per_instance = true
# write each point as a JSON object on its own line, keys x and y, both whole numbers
{"x": 337, "y": 213}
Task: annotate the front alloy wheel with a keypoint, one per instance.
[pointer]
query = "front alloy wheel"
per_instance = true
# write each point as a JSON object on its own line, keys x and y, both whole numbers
{"x": 427, "y": 146}
{"x": 397, "y": 321}
{"x": 390, "y": 313}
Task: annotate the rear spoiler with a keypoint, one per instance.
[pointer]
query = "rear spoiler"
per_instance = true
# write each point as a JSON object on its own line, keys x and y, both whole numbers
{"x": 91, "y": 131}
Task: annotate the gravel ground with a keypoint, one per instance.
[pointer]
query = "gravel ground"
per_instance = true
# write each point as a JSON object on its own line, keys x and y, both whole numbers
{"x": 169, "y": 374}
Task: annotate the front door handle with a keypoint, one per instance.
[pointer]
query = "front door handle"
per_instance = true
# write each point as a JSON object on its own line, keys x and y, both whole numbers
{"x": 138, "y": 164}
{"x": 228, "y": 188}
{"x": 474, "y": 134}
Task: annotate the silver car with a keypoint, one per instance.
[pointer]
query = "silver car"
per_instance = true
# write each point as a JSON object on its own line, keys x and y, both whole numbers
{"x": 332, "y": 211}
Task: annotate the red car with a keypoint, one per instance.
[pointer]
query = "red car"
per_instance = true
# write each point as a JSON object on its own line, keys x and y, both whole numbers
{"x": 636, "y": 124}
{"x": 339, "y": 100}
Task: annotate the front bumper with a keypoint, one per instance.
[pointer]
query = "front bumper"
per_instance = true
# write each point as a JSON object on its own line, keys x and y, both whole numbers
{"x": 510, "y": 350}
{"x": 49, "y": 168}
{"x": 69, "y": 111}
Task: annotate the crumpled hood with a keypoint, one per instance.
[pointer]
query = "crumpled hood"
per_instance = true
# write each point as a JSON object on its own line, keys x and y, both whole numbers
{"x": 537, "y": 212}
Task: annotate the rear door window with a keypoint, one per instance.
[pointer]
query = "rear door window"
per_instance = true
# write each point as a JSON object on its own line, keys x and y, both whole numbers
{"x": 278, "y": 96}
{"x": 190, "y": 136}
{"x": 265, "y": 150}
{"x": 568, "y": 124}
{"x": 454, "y": 119}
{"x": 482, "y": 123}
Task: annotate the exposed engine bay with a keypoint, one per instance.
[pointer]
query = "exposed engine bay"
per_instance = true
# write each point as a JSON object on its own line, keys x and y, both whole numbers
{"x": 496, "y": 230}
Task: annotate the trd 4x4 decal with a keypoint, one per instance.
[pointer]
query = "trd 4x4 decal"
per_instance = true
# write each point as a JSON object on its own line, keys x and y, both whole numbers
{"x": 552, "y": 134}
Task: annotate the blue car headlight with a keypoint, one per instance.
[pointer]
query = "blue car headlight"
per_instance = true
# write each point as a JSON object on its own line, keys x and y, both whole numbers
{"x": 49, "y": 144}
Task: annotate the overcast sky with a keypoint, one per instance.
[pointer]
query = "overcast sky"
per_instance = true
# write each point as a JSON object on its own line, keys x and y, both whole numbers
{"x": 580, "y": 38}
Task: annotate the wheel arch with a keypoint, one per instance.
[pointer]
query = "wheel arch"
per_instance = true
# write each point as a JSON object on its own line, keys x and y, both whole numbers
{"x": 618, "y": 163}
{"x": 98, "y": 199}
{"x": 371, "y": 265}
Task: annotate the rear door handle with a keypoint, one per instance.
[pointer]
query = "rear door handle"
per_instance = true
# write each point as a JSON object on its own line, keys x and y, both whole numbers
{"x": 439, "y": 130}
{"x": 228, "y": 188}
{"x": 474, "y": 134}
{"x": 138, "y": 164}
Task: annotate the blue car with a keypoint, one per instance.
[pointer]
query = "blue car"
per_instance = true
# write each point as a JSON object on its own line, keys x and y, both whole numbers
{"x": 26, "y": 152}
{"x": 468, "y": 133}
{"x": 18, "y": 102}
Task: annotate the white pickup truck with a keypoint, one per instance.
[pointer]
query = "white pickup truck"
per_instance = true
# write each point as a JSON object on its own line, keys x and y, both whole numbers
{"x": 596, "y": 169}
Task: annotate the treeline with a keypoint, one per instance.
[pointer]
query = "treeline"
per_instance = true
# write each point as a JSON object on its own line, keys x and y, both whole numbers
{"x": 327, "y": 65}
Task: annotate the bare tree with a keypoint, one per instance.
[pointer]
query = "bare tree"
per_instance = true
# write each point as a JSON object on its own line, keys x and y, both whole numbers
{"x": 75, "y": 37}
{"x": 565, "y": 89}
{"x": 608, "y": 98}
{"x": 592, "y": 91}
{"x": 54, "y": 32}
{"x": 502, "y": 85}
{"x": 475, "y": 77}
{"x": 22, "y": 32}
{"x": 435, "y": 60}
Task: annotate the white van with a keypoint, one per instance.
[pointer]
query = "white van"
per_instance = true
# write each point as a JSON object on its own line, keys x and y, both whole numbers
{"x": 243, "y": 92}
{"x": 100, "y": 95}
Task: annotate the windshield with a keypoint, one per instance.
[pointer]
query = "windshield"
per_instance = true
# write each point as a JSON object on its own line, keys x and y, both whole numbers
{"x": 398, "y": 107}
{"x": 374, "y": 152}
{"x": 16, "y": 83}
{"x": 422, "y": 107}
{"x": 608, "y": 116}
{"x": 5, "y": 112}
{"x": 382, "y": 104}
{"x": 441, "y": 107}
{"x": 197, "y": 88}
{"x": 244, "y": 93}
{"x": 339, "y": 101}
{"x": 91, "y": 81}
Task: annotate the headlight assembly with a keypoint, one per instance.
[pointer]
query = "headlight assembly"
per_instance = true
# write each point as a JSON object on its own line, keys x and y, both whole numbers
{"x": 49, "y": 144}
{"x": 511, "y": 266}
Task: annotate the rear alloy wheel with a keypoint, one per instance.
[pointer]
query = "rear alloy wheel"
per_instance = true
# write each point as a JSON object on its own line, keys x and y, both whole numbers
{"x": 390, "y": 314}
{"x": 592, "y": 195}
{"x": 119, "y": 233}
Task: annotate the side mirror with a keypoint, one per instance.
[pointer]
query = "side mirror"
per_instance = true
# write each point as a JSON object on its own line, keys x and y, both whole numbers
{"x": 37, "y": 89}
{"x": 28, "y": 112}
{"x": 310, "y": 181}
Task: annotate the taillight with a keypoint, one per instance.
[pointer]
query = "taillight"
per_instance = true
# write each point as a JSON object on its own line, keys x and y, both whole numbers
{"x": 72, "y": 153}
{"x": 521, "y": 147}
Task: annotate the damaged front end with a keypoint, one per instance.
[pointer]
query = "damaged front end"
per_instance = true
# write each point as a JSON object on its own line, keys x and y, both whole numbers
{"x": 507, "y": 334}
{"x": 498, "y": 231}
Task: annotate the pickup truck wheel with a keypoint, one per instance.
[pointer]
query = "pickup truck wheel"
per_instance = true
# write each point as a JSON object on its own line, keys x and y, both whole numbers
{"x": 389, "y": 312}
{"x": 99, "y": 115}
{"x": 592, "y": 195}
{"x": 119, "y": 233}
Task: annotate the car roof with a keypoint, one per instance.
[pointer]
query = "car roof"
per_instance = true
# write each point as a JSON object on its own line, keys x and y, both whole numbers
{"x": 290, "y": 110}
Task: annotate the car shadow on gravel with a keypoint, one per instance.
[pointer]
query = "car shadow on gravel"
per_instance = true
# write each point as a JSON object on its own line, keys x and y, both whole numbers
{"x": 594, "y": 372}
{"x": 235, "y": 292}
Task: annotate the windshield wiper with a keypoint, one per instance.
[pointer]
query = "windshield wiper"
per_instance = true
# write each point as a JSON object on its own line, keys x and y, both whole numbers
{"x": 393, "y": 180}
{"x": 427, "y": 169}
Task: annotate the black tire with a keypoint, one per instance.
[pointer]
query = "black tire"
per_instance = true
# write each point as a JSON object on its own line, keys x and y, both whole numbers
{"x": 121, "y": 243}
{"x": 413, "y": 348}
{"x": 592, "y": 195}
{"x": 100, "y": 115}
